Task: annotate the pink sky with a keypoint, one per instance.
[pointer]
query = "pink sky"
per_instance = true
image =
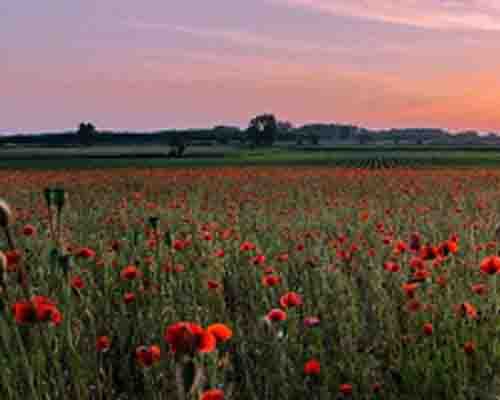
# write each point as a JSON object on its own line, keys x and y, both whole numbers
{"x": 137, "y": 65}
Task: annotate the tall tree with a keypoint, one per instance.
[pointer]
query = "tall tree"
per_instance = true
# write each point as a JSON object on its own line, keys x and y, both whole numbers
{"x": 262, "y": 130}
{"x": 86, "y": 133}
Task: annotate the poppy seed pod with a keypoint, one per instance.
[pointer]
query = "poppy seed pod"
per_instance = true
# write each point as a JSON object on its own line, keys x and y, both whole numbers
{"x": 59, "y": 198}
{"x": 47, "y": 193}
{"x": 6, "y": 216}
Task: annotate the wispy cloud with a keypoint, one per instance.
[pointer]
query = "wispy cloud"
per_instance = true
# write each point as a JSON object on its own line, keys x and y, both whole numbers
{"x": 248, "y": 39}
{"x": 432, "y": 14}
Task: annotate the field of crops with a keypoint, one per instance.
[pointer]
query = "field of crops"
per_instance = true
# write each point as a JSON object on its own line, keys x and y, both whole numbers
{"x": 250, "y": 283}
{"x": 198, "y": 156}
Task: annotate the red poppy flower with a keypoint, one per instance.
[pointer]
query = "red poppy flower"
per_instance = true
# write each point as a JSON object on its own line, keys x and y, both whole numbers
{"x": 103, "y": 344}
{"x": 345, "y": 389}
{"x": 291, "y": 299}
{"x": 312, "y": 367}
{"x": 283, "y": 257}
{"x": 130, "y": 272}
{"x": 147, "y": 356}
{"x": 221, "y": 332}
{"x": 129, "y": 297}
{"x": 391, "y": 266}
{"x": 259, "y": 259}
{"x": 13, "y": 258}
{"x": 310, "y": 322}
{"x": 77, "y": 282}
{"x": 271, "y": 280}
{"x": 86, "y": 253}
{"x": 38, "y": 309}
{"x": 186, "y": 337}
{"x": 212, "y": 394}
{"x": 376, "y": 387}
{"x": 428, "y": 329}
{"x": 490, "y": 265}
{"x": 409, "y": 289}
{"x": 29, "y": 230}
{"x": 479, "y": 288}
{"x": 469, "y": 347}
{"x": 467, "y": 310}
{"x": 276, "y": 315}
{"x": 211, "y": 284}
{"x": 414, "y": 305}
{"x": 247, "y": 246}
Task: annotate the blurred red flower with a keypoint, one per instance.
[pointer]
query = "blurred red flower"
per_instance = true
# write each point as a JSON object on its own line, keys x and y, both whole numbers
{"x": 276, "y": 315}
{"x": 103, "y": 344}
{"x": 212, "y": 394}
{"x": 187, "y": 337}
{"x": 221, "y": 332}
{"x": 38, "y": 309}
{"x": 291, "y": 299}
{"x": 312, "y": 367}
{"x": 147, "y": 356}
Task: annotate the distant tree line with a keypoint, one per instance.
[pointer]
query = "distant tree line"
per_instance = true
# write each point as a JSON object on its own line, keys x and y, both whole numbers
{"x": 263, "y": 130}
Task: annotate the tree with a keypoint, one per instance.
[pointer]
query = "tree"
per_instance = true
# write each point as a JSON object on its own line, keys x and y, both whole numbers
{"x": 224, "y": 134}
{"x": 314, "y": 137}
{"x": 262, "y": 130}
{"x": 364, "y": 138}
{"x": 177, "y": 144}
{"x": 86, "y": 133}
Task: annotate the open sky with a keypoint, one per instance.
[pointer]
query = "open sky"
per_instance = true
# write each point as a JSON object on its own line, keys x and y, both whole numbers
{"x": 153, "y": 64}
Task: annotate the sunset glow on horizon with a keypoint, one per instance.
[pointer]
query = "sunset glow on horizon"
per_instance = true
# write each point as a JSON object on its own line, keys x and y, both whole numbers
{"x": 157, "y": 64}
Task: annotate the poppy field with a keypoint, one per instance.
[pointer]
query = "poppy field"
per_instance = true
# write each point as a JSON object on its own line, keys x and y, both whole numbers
{"x": 249, "y": 283}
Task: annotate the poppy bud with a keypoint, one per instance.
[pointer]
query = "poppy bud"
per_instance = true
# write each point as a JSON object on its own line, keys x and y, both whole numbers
{"x": 47, "y": 193}
{"x": 153, "y": 221}
{"x": 59, "y": 198}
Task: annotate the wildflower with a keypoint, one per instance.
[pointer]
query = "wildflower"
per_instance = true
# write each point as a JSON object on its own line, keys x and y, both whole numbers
{"x": 414, "y": 305}
{"x": 219, "y": 253}
{"x": 259, "y": 259}
{"x": 77, "y": 282}
{"x": 291, "y": 299}
{"x": 276, "y": 315}
{"x": 86, "y": 253}
{"x": 129, "y": 273}
{"x": 212, "y": 394}
{"x": 469, "y": 347}
{"x": 376, "y": 387}
{"x": 187, "y": 337}
{"x": 129, "y": 298}
{"x": 490, "y": 265}
{"x": 147, "y": 356}
{"x": 271, "y": 280}
{"x": 221, "y": 332}
{"x": 345, "y": 389}
{"x": 467, "y": 310}
{"x": 213, "y": 285}
{"x": 283, "y": 257}
{"x": 13, "y": 257}
{"x": 310, "y": 322}
{"x": 38, "y": 309}
{"x": 479, "y": 288}
{"x": 29, "y": 230}
{"x": 247, "y": 246}
{"x": 312, "y": 367}
{"x": 428, "y": 329}
{"x": 391, "y": 266}
{"x": 410, "y": 288}
{"x": 103, "y": 344}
